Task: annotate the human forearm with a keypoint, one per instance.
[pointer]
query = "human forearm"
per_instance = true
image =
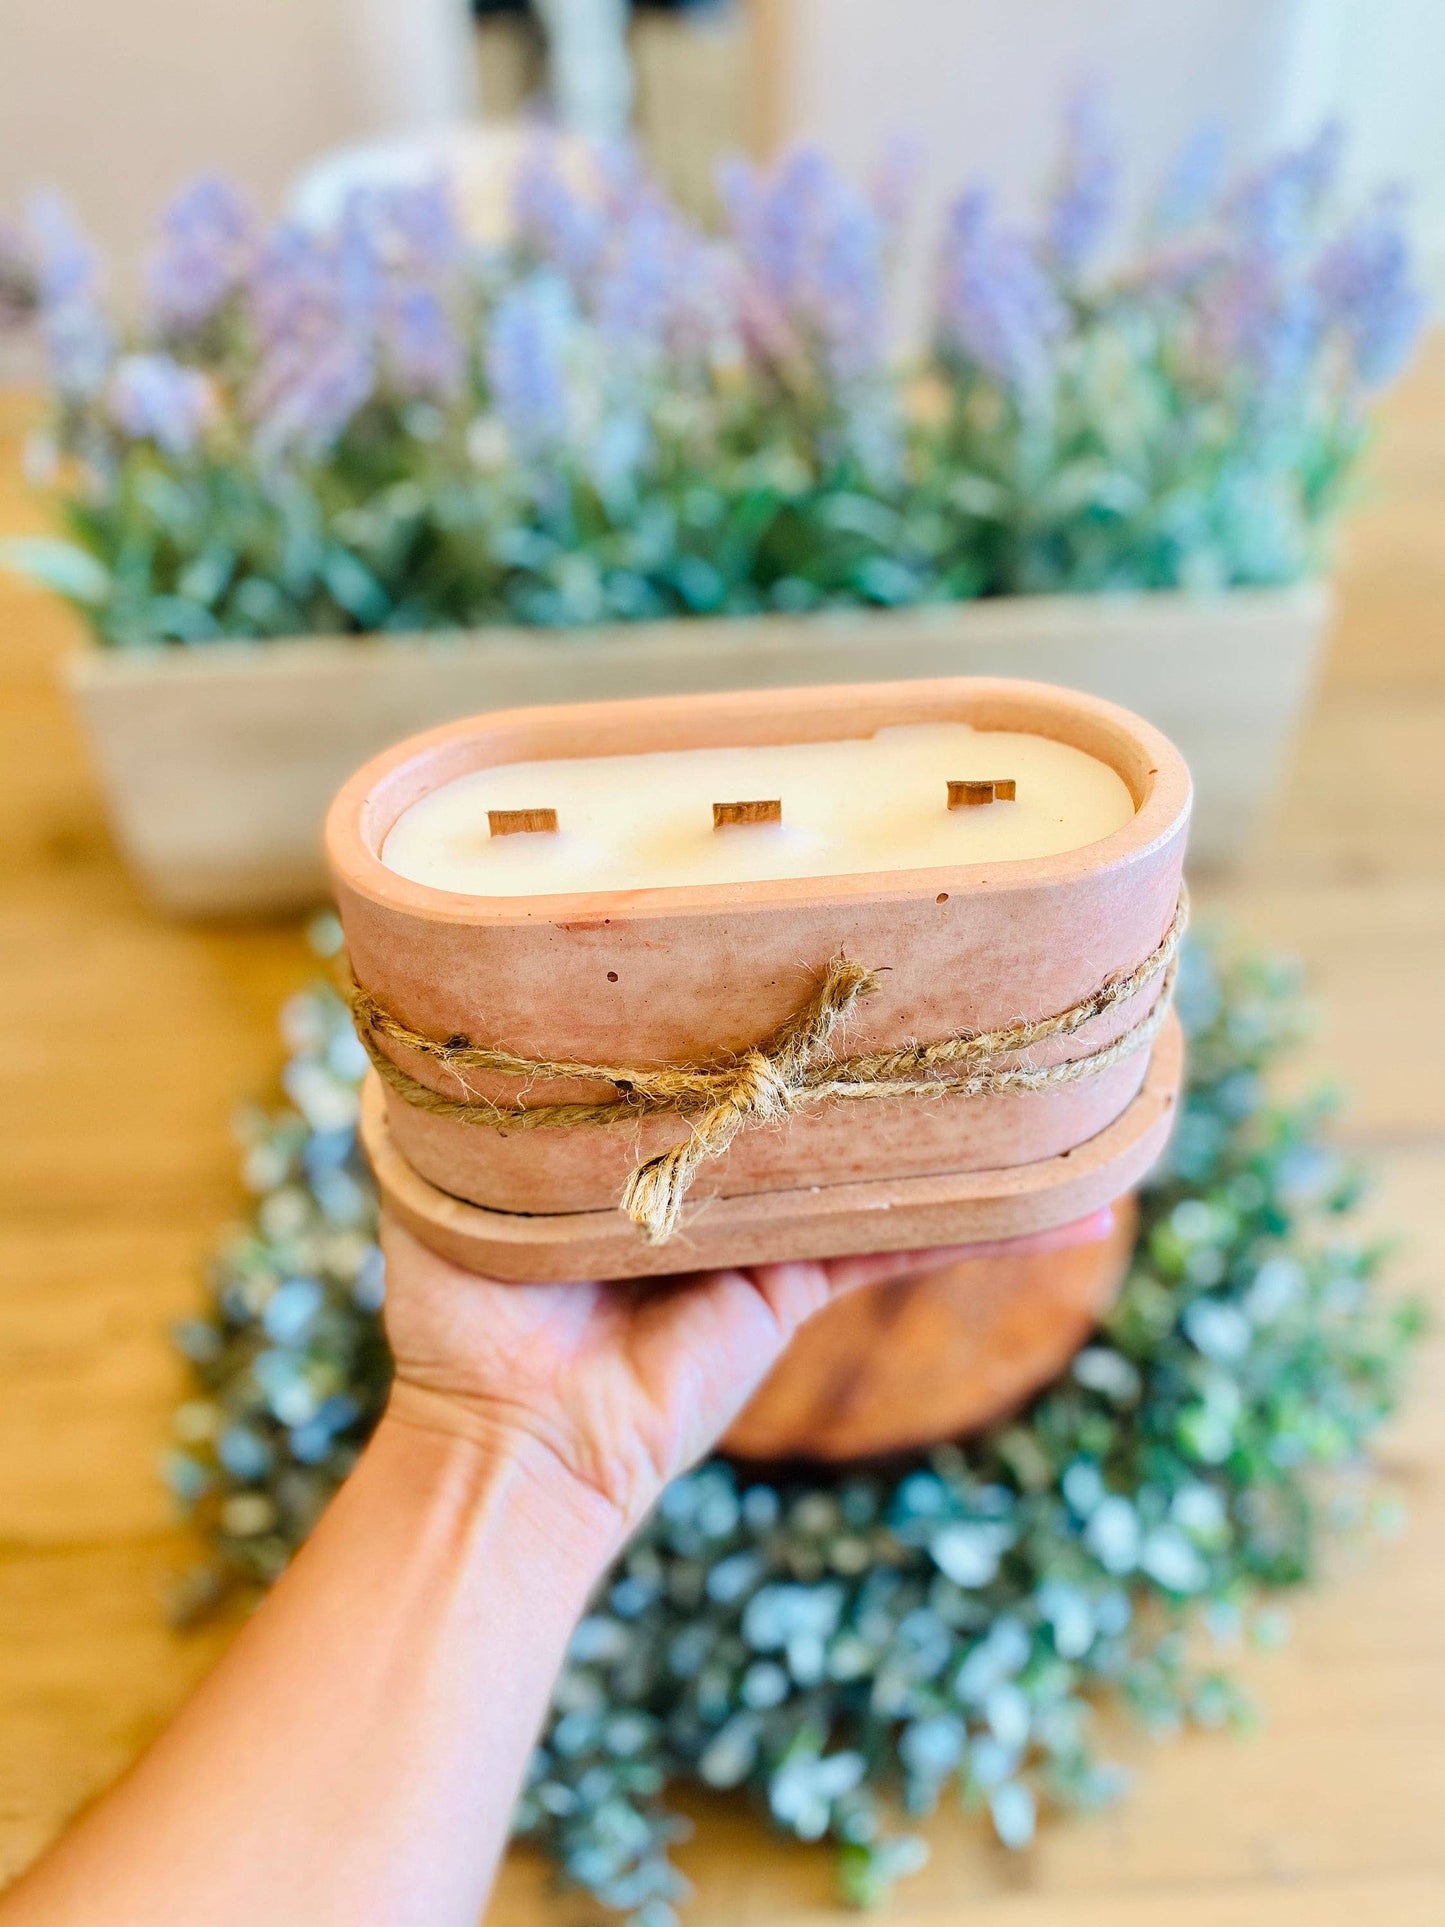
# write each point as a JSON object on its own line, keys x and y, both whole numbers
{"x": 355, "y": 1757}
{"x": 354, "y": 1760}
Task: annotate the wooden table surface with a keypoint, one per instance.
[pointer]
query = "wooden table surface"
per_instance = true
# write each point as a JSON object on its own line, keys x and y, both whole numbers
{"x": 127, "y": 1041}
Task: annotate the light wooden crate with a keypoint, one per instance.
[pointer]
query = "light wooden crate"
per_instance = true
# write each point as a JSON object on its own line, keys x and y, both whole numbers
{"x": 218, "y": 763}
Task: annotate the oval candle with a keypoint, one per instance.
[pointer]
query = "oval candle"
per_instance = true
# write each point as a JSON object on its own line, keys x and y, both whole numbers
{"x": 967, "y": 928}
{"x": 855, "y": 806}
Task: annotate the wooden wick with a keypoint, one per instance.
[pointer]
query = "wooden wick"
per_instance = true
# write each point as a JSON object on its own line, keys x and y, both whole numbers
{"x": 512, "y": 822}
{"x": 768, "y": 810}
{"x": 969, "y": 794}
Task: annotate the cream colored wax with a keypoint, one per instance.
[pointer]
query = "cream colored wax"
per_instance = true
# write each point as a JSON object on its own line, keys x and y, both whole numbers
{"x": 644, "y": 822}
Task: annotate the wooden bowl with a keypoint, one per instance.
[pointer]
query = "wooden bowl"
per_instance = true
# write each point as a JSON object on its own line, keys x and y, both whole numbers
{"x": 673, "y": 975}
{"x": 897, "y": 1366}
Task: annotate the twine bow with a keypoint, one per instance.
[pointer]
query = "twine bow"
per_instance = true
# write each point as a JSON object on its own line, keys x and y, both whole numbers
{"x": 788, "y": 1072}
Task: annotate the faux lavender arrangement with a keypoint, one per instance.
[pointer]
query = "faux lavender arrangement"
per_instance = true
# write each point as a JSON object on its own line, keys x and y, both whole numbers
{"x": 383, "y": 425}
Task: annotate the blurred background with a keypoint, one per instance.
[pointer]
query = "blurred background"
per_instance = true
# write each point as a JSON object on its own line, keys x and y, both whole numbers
{"x": 1235, "y": 521}
{"x": 118, "y": 107}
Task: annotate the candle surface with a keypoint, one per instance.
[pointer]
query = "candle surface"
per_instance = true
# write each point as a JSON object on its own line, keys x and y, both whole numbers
{"x": 857, "y": 806}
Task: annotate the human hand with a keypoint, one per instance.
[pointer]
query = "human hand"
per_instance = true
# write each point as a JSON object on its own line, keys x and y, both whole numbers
{"x": 620, "y": 1385}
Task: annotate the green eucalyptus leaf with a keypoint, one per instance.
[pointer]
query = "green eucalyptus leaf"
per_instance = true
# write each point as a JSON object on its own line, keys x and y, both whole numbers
{"x": 979, "y": 495}
{"x": 859, "y": 515}
{"x": 207, "y": 578}
{"x": 1091, "y": 485}
{"x": 177, "y": 619}
{"x": 354, "y": 587}
{"x": 62, "y": 566}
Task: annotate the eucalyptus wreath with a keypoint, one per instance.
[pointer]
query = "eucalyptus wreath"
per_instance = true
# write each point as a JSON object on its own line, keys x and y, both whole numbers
{"x": 851, "y": 1647}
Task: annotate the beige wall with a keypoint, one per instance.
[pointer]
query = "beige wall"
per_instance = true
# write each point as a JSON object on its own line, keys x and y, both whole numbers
{"x": 118, "y": 103}
{"x": 695, "y": 81}
{"x": 980, "y": 84}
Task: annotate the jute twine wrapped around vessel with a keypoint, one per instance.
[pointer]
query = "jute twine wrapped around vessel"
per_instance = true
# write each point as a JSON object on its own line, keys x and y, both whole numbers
{"x": 788, "y": 1072}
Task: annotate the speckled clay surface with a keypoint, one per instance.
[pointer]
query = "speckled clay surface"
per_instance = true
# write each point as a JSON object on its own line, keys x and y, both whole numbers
{"x": 674, "y": 975}
{"x": 813, "y": 1221}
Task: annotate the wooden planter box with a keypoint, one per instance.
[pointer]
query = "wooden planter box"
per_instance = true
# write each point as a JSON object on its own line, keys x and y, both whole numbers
{"x": 218, "y": 762}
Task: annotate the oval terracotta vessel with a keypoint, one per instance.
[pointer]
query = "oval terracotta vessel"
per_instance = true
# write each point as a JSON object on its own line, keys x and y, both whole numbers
{"x": 678, "y": 974}
{"x": 896, "y": 1366}
{"x": 807, "y": 1221}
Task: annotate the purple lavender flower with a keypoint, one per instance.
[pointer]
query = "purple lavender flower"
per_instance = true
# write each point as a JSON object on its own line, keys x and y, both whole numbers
{"x": 1182, "y": 273}
{"x": 424, "y": 353}
{"x": 404, "y": 243}
{"x": 79, "y": 341}
{"x": 208, "y": 243}
{"x": 153, "y": 398}
{"x": 1265, "y": 323}
{"x": 315, "y": 300}
{"x": 654, "y": 283}
{"x": 1192, "y": 182}
{"x": 661, "y": 288}
{"x": 526, "y": 363}
{"x": 1365, "y": 281}
{"x": 705, "y": 315}
{"x": 637, "y": 283}
{"x": 997, "y": 306}
{"x": 1082, "y": 203}
{"x": 848, "y": 300}
{"x": 67, "y": 268}
{"x": 367, "y": 305}
{"x": 552, "y": 219}
{"x": 812, "y": 249}
{"x": 1264, "y": 314}
{"x": 1279, "y": 340}
{"x": 410, "y": 226}
{"x": 1274, "y": 208}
